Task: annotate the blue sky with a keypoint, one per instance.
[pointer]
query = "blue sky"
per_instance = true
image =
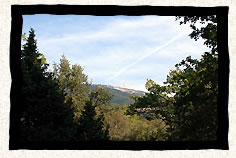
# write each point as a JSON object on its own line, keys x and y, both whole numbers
{"x": 115, "y": 50}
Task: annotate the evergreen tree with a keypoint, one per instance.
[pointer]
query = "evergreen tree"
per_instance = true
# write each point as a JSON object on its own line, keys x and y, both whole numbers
{"x": 91, "y": 127}
{"x": 44, "y": 115}
{"x": 74, "y": 84}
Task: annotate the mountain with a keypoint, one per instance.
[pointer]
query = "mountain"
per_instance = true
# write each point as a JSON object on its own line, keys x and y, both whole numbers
{"x": 121, "y": 95}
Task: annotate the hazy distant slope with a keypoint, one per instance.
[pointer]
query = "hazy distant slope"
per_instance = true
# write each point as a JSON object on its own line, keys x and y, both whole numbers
{"x": 121, "y": 95}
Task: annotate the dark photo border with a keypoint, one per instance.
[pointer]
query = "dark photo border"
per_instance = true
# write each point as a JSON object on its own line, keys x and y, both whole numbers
{"x": 17, "y": 12}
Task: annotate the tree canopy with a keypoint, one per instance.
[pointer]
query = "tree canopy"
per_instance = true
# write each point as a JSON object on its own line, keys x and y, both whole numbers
{"x": 60, "y": 104}
{"x": 188, "y": 100}
{"x": 74, "y": 84}
{"x": 54, "y": 101}
{"x": 44, "y": 115}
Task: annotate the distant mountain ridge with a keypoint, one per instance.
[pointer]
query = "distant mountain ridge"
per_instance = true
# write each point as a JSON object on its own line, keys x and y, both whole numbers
{"x": 121, "y": 95}
{"x": 126, "y": 90}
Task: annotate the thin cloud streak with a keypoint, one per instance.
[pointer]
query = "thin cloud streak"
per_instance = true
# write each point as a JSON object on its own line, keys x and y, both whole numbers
{"x": 114, "y": 50}
{"x": 147, "y": 55}
{"x": 115, "y": 30}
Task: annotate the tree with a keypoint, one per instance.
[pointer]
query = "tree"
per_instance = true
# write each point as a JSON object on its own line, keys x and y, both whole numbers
{"x": 103, "y": 99}
{"x": 201, "y": 89}
{"x": 74, "y": 84}
{"x": 195, "y": 106}
{"x": 188, "y": 100}
{"x": 91, "y": 126}
{"x": 132, "y": 128}
{"x": 33, "y": 77}
{"x": 44, "y": 116}
{"x": 207, "y": 32}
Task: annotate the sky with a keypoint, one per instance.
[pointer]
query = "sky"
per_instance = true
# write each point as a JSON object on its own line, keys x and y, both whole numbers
{"x": 115, "y": 50}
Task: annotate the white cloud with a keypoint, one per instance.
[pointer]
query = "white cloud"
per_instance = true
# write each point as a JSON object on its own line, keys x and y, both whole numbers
{"x": 121, "y": 46}
{"x": 116, "y": 30}
{"x": 155, "y": 50}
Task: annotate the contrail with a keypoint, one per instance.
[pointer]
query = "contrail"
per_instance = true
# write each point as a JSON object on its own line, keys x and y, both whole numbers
{"x": 147, "y": 55}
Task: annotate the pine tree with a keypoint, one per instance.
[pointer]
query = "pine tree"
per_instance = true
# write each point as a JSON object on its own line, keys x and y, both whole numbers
{"x": 91, "y": 127}
{"x": 74, "y": 84}
{"x": 44, "y": 116}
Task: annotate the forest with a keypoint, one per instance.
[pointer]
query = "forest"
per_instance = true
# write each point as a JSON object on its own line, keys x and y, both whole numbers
{"x": 60, "y": 104}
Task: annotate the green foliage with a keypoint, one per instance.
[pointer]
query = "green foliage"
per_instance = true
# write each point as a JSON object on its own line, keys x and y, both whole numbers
{"x": 74, "y": 84}
{"x": 91, "y": 126}
{"x": 208, "y": 31}
{"x": 132, "y": 128}
{"x": 44, "y": 115}
{"x": 59, "y": 105}
{"x": 103, "y": 99}
{"x": 62, "y": 105}
{"x": 187, "y": 103}
{"x": 24, "y": 37}
{"x": 195, "y": 107}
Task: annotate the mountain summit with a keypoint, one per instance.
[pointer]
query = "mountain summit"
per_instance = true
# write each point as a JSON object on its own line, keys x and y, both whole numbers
{"x": 121, "y": 95}
{"x": 126, "y": 90}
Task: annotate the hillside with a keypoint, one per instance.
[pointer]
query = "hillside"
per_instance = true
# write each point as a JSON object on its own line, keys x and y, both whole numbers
{"x": 121, "y": 95}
